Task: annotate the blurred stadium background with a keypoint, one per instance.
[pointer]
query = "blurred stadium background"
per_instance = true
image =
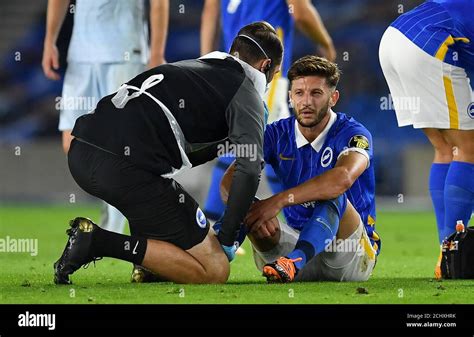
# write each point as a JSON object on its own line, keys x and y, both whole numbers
{"x": 33, "y": 167}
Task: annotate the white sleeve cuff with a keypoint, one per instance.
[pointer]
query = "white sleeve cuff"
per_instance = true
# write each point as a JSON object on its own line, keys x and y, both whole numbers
{"x": 356, "y": 149}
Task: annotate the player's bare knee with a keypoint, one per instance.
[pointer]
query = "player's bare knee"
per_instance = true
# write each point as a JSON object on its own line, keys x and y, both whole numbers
{"x": 264, "y": 244}
{"x": 443, "y": 149}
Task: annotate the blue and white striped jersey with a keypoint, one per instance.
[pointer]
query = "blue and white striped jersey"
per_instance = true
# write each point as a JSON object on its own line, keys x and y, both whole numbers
{"x": 443, "y": 29}
{"x": 239, "y": 13}
{"x": 296, "y": 161}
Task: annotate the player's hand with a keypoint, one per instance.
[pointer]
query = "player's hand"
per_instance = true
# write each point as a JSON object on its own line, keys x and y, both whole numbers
{"x": 50, "y": 61}
{"x": 262, "y": 211}
{"x": 267, "y": 230}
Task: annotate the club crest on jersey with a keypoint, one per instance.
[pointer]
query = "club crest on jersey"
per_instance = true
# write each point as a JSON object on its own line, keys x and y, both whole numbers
{"x": 200, "y": 218}
{"x": 470, "y": 110}
{"x": 360, "y": 142}
{"x": 326, "y": 157}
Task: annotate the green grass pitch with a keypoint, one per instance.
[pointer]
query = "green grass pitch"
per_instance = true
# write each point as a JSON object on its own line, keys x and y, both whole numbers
{"x": 403, "y": 273}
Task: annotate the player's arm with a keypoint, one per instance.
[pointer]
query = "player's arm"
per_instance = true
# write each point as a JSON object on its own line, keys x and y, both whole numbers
{"x": 330, "y": 184}
{"x": 245, "y": 119}
{"x": 55, "y": 15}
{"x": 159, "y": 18}
{"x": 203, "y": 154}
{"x": 308, "y": 21}
{"x": 326, "y": 186}
{"x": 209, "y": 25}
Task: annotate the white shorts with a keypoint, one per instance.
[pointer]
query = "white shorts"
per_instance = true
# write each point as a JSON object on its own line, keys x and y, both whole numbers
{"x": 426, "y": 92}
{"x": 86, "y": 83}
{"x": 352, "y": 259}
{"x": 277, "y": 99}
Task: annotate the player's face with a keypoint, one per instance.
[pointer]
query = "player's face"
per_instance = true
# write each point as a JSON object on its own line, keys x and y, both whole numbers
{"x": 312, "y": 99}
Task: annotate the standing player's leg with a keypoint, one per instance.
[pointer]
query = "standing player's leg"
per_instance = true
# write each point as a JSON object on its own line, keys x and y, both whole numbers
{"x": 66, "y": 140}
{"x": 77, "y": 98}
{"x": 443, "y": 93}
{"x": 439, "y": 169}
{"x": 459, "y": 188}
{"x": 459, "y": 132}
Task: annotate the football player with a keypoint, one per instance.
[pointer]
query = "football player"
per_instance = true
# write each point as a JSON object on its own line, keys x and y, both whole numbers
{"x": 109, "y": 46}
{"x": 284, "y": 15}
{"x": 129, "y": 148}
{"x": 428, "y": 54}
{"x": 324, "y": 161}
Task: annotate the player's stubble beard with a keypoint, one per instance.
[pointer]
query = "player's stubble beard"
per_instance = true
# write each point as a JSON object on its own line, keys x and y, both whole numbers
{"x": 319, "y": 116}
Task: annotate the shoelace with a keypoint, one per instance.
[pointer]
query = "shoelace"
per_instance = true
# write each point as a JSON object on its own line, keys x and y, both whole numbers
{"x": 70, "y": 232}
{"x": 93, "y": 260}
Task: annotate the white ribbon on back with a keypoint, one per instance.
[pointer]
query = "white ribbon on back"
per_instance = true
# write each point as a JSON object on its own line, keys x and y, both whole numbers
{"x": 122, "y": 97}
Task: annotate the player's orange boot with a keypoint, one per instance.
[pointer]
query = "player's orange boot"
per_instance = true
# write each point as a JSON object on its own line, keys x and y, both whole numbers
{"x": 437, "y": 271}
{"x": 282, "y": 270}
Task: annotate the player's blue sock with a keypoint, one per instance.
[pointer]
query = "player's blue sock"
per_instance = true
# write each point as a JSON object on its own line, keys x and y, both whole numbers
{"x": 458, "y": 195}
{"x": 273, "y": 180}
{"x": 437, "y": 182}
{"x": 214, "y": 207}
{"x": 320, "y": 230}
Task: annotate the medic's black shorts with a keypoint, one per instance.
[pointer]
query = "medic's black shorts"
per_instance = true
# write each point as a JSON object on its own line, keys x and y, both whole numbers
{"x": 156, "y": 207}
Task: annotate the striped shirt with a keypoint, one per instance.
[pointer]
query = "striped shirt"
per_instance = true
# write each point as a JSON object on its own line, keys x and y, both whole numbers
{"x": 239, "y": 13}
{"x": 296, "y": 161}
{"x": 443, "y": 29}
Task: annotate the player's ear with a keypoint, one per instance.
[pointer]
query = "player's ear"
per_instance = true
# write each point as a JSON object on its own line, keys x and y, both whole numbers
{"x": 334, "y": 98}
{"x": 265, "y": 65}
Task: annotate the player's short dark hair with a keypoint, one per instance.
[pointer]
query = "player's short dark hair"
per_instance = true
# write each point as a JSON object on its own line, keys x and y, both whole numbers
{"x": 312, "y": 65}
{"x": 266, "y": 36}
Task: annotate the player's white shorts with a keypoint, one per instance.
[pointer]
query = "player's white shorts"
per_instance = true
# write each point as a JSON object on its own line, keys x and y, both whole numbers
{"x": 426, "y": 92}
{"x": 352, "y": 259}
{"x": 276, "y": 98}
{"x": 86, "y": 83}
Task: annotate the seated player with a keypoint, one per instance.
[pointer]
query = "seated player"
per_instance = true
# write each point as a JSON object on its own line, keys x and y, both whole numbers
{"x": 285, "y": 16}
{"x": 428, "y": 54}
{"x": 170, "y": 118}
{"x": 324, "y": 161}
